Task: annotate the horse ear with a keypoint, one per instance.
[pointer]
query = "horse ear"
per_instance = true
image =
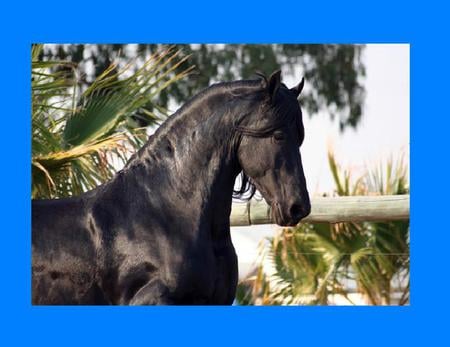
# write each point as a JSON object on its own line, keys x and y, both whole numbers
{"x": 298, "y": 89}
{"x": 262, "y": 77}
{"x": 273, "y": 84}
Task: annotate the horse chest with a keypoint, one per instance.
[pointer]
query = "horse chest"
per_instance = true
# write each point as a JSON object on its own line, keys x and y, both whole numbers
{"x": 226, "y": 274}
{"x": 202, "y": 273}
{"x": 206, "y": 277}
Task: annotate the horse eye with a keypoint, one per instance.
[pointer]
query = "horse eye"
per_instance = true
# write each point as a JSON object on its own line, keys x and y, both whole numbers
{"x": 278, "y": 136}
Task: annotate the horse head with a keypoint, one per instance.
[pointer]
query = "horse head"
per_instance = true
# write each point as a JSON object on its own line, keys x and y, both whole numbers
{"x": 268, "y": 151}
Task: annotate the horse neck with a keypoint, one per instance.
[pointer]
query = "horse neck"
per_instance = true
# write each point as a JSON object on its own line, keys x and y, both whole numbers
{"x": 190, "y": 165}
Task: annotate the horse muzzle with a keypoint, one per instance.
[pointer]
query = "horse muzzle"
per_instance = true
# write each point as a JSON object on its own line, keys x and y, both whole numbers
{"x": 291, "y": 214}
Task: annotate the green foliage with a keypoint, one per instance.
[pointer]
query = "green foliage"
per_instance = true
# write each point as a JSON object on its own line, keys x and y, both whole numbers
{"x": 333, "y": 72}
{"x": 312, "y": 262}
{"x": 80, "y": 135}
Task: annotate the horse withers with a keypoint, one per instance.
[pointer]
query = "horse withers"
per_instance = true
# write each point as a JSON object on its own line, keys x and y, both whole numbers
{"x": 159, "y": 231}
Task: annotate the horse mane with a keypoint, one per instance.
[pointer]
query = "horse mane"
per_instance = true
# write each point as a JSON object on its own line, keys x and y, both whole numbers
{"x": 235, "y": 88}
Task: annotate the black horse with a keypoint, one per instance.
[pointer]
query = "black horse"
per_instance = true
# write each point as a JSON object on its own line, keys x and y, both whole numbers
{"x": 159, "y": 231}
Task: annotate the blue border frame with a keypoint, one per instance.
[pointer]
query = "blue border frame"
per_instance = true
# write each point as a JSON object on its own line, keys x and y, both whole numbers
{"x": 232, "y": 21}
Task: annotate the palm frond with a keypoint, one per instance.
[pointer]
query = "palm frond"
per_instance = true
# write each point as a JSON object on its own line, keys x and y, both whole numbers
{"x": 313, "y": 261}
{"x": 77, "y": 135}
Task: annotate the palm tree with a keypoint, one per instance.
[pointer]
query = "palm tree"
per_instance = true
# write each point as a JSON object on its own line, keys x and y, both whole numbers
{"x": 312, "y": 262}
{"x": 80, "y": 137}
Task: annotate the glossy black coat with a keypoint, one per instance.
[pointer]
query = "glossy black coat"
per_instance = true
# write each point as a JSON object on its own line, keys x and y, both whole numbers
{"x": 159, "y": 231}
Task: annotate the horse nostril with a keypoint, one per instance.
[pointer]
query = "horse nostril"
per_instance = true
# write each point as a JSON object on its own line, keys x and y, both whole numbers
{"x": 296, "y": 210}
{"x": 299, "y": 210}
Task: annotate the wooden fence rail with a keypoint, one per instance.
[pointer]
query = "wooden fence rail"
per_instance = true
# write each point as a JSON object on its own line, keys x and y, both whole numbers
{"x": 332, "y": 210}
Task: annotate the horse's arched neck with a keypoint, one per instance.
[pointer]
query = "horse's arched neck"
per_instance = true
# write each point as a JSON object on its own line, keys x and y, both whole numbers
{"x": 191, "y": 163}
